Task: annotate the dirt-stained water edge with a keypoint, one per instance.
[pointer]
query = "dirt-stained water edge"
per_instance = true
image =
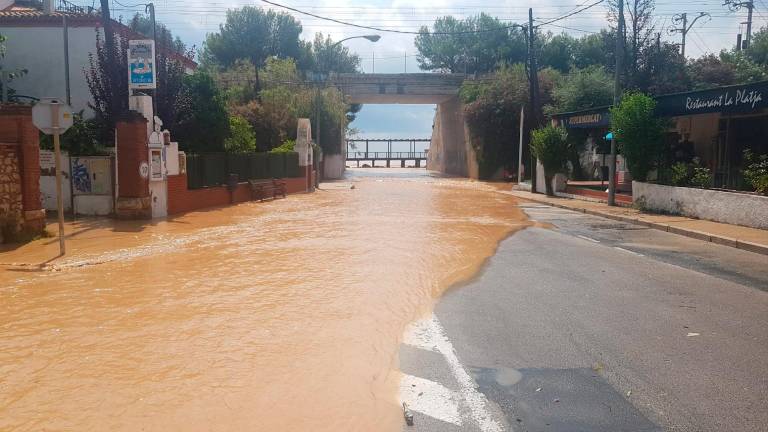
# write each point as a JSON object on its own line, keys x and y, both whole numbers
{"x": 263, "y": 316}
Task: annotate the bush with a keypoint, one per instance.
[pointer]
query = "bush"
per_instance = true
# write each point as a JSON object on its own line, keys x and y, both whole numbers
{"x": 756, "y": 171}
{"x": 285, "y": 147}
{"x": 691, "y": 175}
{"x": 680, "y": 175}
{"x": 550, "y": 146}
{"x": 701, "y": 178}
{"x": 82, "y": 139}
{"x": 639, "y": 133}
{"x": 241, "y": 138}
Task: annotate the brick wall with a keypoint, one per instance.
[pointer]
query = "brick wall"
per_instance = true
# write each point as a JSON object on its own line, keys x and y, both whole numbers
{"x": 181, "y": 199}
{"x": 133, "y": 200}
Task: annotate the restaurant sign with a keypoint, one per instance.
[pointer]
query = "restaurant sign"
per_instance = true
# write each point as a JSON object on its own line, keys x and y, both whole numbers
{"x": 586, "y": 119}
{"x": 731, "y": 99}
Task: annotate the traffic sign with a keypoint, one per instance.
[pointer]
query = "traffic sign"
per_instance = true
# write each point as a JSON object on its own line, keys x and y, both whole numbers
{"x": 52, "y": 116}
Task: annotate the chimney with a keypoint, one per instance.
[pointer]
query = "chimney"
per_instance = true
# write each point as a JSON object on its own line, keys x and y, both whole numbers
{"x": 48, "y": 7}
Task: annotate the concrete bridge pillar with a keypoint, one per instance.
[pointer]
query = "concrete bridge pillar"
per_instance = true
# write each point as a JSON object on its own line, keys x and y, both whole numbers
{"x": 451, "y": 150}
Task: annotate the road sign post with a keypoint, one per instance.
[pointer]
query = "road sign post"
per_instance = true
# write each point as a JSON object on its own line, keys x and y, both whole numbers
{"x": 53, "y": 117}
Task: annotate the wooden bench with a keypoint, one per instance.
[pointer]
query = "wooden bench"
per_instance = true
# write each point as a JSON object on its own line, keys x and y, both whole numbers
{"x": 267, "y": 189}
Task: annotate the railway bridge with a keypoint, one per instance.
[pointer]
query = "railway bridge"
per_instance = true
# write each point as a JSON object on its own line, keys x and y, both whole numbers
{"x": 450, "y": 151}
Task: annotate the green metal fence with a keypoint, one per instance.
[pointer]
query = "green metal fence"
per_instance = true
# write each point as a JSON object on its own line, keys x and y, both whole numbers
{"x": 213, "y": 169}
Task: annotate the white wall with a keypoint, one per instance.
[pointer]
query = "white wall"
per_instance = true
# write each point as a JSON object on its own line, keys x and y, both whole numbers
{"x": 40, "y": 50}
{"x": 48, "y": 181}
{"x": 334, "y": 166}
{"x": 730, "y": 207}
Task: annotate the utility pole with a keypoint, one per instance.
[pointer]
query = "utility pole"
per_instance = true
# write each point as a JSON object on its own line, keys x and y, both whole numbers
{"x": 109, "y": 38}
{"x": 533, "y": 78}
{"x": 65, "y": 25}
{"x": 151, "y": 9}
{"x": 735, "y": 5}
{"x": 682, "y": 21}
{"x": 616, "y": 100}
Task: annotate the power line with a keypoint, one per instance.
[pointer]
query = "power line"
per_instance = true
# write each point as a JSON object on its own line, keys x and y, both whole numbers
{"x": 391, "y": 30}
{"x": 568, "y": 15}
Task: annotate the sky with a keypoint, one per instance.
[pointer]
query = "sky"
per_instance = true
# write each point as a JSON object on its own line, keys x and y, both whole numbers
{"x": 395, "y": 53}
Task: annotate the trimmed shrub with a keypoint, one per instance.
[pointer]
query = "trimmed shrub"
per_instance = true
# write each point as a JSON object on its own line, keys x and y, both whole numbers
{"x": 639, "y": 133}
{"x": 550, "y": 146}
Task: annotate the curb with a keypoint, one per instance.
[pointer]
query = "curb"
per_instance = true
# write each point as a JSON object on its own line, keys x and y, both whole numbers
{"x": 699, "y": 235}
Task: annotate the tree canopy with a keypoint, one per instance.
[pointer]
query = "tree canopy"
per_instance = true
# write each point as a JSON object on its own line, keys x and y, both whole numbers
{"x": 140, "y": 23}
{"x": 582, "y": 89}
{"x": 204, "y": 123}
{"x": 253, "y": 34}
{"x": 469, "y": 52}
{"x": 324, "y": 55}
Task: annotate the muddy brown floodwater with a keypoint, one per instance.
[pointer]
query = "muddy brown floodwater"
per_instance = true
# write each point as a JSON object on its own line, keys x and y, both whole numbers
{"x": 279, "y": 316}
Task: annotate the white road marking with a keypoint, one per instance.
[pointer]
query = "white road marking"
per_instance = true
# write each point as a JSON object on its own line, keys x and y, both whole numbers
{"x": 628, "y": 251}
{"x": 588, "y": 239}
{"x": 430, "y": 398}
{"x": 429, "y": 334}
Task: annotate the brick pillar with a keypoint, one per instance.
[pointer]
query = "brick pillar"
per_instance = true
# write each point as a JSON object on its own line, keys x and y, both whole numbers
{"x": 133, "y": 200}
{"x": 17, "y": 130}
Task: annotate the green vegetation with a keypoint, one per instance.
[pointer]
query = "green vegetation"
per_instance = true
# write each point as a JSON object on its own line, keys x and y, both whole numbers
{"x": 756, "y": 171}
{"x": 480, "y": 52}
{"x": 583, "y": 88}
{"x": 11, "y": 75}
{"x": 550, "y": 145}
{"x": 241, "y": 138}
{"x": 204, "y": 124}
{"x": 80, "y": 139}
{"x": 691, "y": 175}
{"x": 639, "y": 133}
{"x": 492, "y": 113}
{"x": 285, "y": 147}
{"x": 273, "y": 110}
{"x": 253, "y": 34}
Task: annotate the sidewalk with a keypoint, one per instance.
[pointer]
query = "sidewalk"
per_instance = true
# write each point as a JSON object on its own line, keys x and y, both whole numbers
{"x": 749, "y": 239}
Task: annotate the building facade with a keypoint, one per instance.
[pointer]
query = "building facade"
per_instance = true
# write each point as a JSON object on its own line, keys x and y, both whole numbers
{"x": 715, "y": 126}
{"x": 36, "y": 43}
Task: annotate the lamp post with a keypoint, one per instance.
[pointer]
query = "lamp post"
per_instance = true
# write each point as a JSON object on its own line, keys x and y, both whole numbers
{"x": 372, "y": 38}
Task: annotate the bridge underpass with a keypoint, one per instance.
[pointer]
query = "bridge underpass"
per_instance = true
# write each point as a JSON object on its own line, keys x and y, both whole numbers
{"x": 450, "y": 151}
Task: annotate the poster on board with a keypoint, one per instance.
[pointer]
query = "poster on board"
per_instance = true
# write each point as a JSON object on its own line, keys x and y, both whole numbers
{"x": 141, "y": 64}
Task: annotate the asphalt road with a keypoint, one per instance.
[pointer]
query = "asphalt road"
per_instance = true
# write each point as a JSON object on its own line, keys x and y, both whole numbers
{"x": 595, "y": 325}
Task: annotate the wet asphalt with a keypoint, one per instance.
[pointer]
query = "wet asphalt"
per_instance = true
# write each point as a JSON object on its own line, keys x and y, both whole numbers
{"x": 607, "y": 326}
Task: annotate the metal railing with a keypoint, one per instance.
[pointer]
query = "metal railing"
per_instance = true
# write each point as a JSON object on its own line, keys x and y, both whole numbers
{"x": 363, "y": 155}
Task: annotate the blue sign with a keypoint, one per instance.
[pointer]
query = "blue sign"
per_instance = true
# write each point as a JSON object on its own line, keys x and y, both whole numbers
{"x": 141, "y": 64}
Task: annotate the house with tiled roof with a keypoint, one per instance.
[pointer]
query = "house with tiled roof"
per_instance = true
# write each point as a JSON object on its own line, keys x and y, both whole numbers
{"x": 36, "y": 42}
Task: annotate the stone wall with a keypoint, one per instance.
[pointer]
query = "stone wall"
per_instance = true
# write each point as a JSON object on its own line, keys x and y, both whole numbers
{"x": 11, "y": 209}
{"x": 20, "y": 203}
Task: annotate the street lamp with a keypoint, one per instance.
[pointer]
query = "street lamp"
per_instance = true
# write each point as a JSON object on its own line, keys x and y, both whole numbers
{"x": 372, "y": 38}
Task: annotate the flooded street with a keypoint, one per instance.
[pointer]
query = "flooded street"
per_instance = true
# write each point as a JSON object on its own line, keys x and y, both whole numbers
{"x": 278, "y": 316}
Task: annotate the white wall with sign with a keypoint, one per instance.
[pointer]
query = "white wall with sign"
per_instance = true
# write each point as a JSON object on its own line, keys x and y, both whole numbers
{"x": 48, "y": 180}
{"x": 91, "y": 178}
